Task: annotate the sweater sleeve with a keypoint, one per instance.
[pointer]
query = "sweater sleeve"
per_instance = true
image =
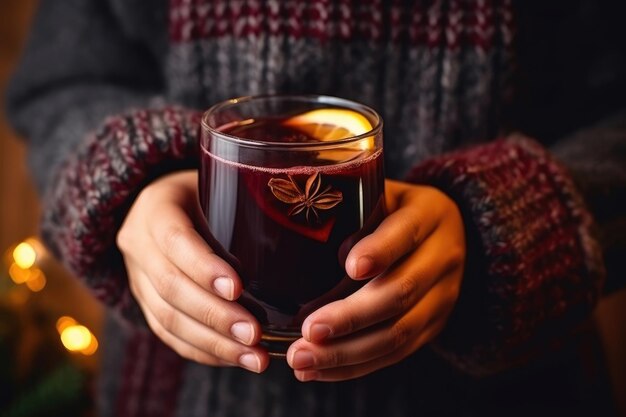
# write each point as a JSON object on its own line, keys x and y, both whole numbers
{"x": 534, "y": 268}
{"x": 87, "y": 98}
{"x": 600, "y": 175}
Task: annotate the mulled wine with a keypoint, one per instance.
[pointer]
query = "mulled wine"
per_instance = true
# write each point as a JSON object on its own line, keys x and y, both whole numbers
{"x": 285, "y": 199}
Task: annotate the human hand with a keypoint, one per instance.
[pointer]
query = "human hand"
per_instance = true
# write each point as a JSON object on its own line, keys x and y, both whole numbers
{"x": 185, "y": 290}
{"x": 417, "y": 257}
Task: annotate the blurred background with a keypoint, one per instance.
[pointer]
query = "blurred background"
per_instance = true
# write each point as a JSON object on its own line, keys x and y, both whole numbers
{"x": 50, "y": 327}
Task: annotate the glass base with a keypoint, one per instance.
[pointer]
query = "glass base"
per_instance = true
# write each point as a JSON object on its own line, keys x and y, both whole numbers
{"x": 277, "y": 343}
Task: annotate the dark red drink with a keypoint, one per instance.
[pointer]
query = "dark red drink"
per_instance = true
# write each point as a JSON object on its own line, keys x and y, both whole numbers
{"x": 287, "y": 230}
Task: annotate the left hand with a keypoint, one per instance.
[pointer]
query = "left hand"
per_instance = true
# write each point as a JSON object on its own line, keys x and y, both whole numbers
{"x": 416, "y": 255}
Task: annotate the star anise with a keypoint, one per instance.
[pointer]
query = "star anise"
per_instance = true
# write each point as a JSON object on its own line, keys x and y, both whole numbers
{"x": 310, "y": 200}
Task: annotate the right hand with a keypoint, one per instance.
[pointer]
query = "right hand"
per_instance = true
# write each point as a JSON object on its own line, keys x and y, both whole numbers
{"x": 185, "y": 290}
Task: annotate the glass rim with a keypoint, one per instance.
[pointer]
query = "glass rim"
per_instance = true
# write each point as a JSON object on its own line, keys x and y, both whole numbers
{"x": 315, "y": 98}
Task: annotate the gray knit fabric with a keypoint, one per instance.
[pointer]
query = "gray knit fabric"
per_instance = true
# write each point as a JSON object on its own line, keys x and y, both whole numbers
{"x": 418, "y": 95}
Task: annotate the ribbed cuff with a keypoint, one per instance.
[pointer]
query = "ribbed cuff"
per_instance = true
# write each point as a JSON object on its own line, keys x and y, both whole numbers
{"x": 95, "y": 187}
{"x": 533, "y": 268}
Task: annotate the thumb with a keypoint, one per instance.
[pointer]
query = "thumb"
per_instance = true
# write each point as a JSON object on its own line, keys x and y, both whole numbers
{"x": 399, "y": 234}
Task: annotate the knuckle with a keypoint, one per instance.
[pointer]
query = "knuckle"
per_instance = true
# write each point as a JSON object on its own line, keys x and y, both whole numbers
{"x": 399, "y": 335}
{"x": 438, "y": 196}
{"x": 211, "y": 317}
{"x": 220, "y": 350}
{"x": 414, "y": 227}
{"x": 166, "y": 318}
{"x": 166, "y": 284}
{"x": 351, "y": 324}
{"x": 336, "y": 358}
{"x": 123, "y": 239}
{"x": 147, "y": 195}
{"x": 350, "y": 319}
{"x": 405, "y": 294}
{"x": 456, "y": 257}
{"x": 172, "y": 236}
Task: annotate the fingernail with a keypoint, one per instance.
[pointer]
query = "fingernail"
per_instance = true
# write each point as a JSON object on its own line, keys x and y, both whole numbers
{"x": 363, "y": 266}
{"x": 225, "y": 287}
{"x": 242, "y": 331}
{"x": 302, "y": 359}
{"x": 319, "y": 332}
{"x": 305, "y": 376}
{"x": 251, "y": 362}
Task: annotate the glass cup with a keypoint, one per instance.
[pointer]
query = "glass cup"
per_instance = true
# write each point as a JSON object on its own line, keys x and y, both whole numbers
{"x": 288, "y": 184}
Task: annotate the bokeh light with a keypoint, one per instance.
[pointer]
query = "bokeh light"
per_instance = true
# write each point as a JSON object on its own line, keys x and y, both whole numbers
{"x": 76, "y": 337}
{"x": 24, "y": 255}
{"x": 63, "y": 322}
{"x": 19, "y": 275}
{"x": 22, "y": 263}
{"x": 37, "y": 280}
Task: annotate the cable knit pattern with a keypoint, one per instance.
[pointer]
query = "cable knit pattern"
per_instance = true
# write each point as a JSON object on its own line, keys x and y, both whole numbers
{"x": 85, "y": 206}
{"x": 540, "y": 264}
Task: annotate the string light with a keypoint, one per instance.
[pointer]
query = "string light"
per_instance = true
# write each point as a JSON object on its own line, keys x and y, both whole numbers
{"x": 64, "y": 322}
{"x": 76, "y": 337}
{"x": 22, "y": 262}
{"x": 24, "y": 255}
{"x": 17, "y": 274}
{"x": 37, "y": 280}
{"x": 22, "y": 265}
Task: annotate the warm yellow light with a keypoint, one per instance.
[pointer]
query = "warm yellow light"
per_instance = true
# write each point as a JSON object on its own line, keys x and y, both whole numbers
{"x": 34, "y": 278}
{"x": 76, "y": 338}
{"x": 24, "y": 255}
{"x": 37, "y": 280}
{"x": 18, "y": 274}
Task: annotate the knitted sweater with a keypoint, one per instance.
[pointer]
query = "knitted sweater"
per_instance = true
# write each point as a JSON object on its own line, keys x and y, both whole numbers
{"x": 109, "y": 95}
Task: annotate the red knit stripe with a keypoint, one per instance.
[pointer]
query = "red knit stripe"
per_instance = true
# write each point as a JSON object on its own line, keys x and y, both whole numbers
{"x": 422, "y": 23}
{"x": 480, "y": 25}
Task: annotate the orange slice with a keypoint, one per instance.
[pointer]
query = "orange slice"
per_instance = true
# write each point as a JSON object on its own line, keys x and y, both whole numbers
{"x": 327, "y": 125}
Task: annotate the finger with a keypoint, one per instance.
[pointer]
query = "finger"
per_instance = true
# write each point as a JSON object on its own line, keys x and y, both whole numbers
{"x": 227, "y": 318}
{"x": 251, "y": 361}
{"x": 181, "y": 347}
{"x": 376, "y": 348}
{"x": 345, "y": 373}
{"x": 178, "y": 240}
{"x": 173, "y": 326}
{"x": 384, "y": 297}
{"x": 351, "y": 350}
{"x": 398, "y": 234}
{"x": 379, "y": 340}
